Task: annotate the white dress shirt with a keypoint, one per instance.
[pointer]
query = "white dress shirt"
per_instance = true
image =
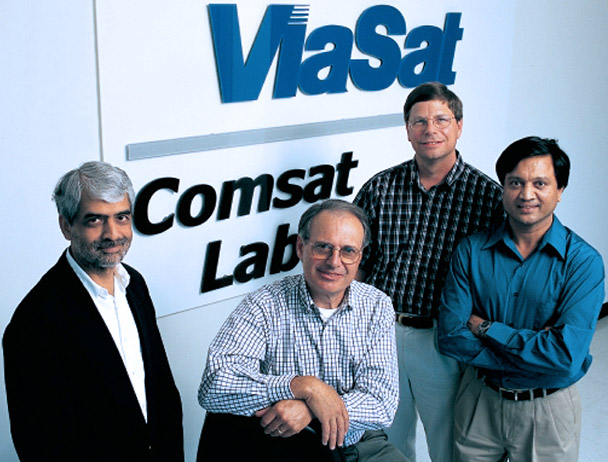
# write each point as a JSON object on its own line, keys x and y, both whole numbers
{"x": 119, "y": 320}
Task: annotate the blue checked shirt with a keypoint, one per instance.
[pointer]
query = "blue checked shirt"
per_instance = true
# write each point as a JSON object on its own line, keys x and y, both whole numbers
{"x": 276, "y": 334}
{"x": 415, "y": 231}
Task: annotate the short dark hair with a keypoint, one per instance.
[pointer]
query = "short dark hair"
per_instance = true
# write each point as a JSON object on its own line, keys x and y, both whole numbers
{"x": 534, "y": 146}
{"x": 431, "y": 91}
{"x": 332, "y": 205}
{"x": 100, "y": 180}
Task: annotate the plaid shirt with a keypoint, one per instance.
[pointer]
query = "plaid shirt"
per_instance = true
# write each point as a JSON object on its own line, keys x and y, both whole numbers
{"x": 276, "y": 334}
{"x": 414, "y": 231}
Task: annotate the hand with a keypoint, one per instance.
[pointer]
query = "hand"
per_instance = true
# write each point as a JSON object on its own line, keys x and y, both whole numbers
{"x": 326, "y": 405}
{"x": 285, "y": 418}
{"x": 473, "y": 323}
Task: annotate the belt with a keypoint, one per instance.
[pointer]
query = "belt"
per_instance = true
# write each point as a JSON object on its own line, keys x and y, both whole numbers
{"x": 517, "y": 395}
{"x": 417, "y": 322}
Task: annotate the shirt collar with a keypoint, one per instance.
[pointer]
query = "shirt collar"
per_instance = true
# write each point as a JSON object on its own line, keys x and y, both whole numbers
{"x": 308, "y": 302}
{"x": 555, "y": 237}
{"x": 121, "y": 276}
{"x": 455, "y": 171}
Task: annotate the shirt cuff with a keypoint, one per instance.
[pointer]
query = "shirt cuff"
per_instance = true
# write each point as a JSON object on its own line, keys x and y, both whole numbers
{"x": 499, "y": 333}
{"x": 279, "y": 388}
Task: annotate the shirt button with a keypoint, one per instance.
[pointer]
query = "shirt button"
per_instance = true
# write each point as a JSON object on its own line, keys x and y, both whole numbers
{"x": 516, "y": 294}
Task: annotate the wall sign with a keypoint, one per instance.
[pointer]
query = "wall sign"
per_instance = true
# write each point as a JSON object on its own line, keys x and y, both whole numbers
{"x": 232, "y": 117}
{"x": 429, "y": 52}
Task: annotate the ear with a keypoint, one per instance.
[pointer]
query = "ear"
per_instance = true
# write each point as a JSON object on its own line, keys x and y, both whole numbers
{"x": 66, "y": 228}
{"x": 300, "y": 247}
{"x": 559, "y": 194}
{"x": 460, "y": 123}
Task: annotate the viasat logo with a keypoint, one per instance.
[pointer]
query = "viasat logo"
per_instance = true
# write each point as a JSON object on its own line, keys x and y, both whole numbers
{"x": 428, "y": 52}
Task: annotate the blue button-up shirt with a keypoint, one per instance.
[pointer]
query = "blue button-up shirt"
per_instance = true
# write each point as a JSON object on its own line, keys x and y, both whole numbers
{"x": 544, "y": 308}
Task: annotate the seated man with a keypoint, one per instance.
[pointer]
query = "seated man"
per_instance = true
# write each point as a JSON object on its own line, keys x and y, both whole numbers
{"x": 316, "y": 349}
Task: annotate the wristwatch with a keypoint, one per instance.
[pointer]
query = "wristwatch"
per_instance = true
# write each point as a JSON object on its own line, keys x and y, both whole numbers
{"x": 482, "y": 328}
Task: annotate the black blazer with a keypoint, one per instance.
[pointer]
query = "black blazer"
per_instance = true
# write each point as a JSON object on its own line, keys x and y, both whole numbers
{"x": 69, "y": 395}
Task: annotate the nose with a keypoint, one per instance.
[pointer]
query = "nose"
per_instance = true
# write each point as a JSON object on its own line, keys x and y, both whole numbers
{"x": 526, "y": 193}
{"x": 334, "y": 259}
{"x": 430, "y": 127}
{"x": 110, "y": 230}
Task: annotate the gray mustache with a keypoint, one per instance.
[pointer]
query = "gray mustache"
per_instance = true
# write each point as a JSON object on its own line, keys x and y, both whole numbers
{"x": 109, "y": 243}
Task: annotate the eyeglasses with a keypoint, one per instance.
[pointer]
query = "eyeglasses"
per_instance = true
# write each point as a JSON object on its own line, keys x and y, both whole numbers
{"x": 348, "y": 254}
{"x": 439, "y": 122}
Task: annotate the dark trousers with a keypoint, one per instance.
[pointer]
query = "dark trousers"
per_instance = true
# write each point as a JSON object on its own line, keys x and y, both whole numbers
{"x": 231, "y": 437}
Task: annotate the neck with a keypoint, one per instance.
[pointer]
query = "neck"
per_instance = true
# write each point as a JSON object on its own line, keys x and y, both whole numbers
{"x": 527, "y": 238}
{"x": 433, "y": 171}
{"x": 329, "y": 303}
{"x": 326, "y": 300}
{"x": 105, "y": 279}
{"x": 102, "y": 276}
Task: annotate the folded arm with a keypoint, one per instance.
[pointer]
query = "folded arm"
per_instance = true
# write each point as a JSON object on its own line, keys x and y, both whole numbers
{"x": 558, "y": 348}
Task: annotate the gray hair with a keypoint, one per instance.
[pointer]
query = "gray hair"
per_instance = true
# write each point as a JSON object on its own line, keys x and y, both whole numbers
{"x": 100, "y": 180}
{"x": 332, "y": 205}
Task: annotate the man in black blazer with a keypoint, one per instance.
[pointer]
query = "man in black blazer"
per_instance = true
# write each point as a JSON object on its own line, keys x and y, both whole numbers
{"x": 87, "y": 376}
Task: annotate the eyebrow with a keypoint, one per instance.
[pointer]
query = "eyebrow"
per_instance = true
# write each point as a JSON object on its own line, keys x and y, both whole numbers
{"x": 441, "y": 114}
{"x": 516, "y": 177}
{"x": 95, "y": 215}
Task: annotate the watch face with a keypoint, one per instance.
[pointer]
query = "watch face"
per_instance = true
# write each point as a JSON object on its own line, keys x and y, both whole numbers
{"x": 483, "y": 328}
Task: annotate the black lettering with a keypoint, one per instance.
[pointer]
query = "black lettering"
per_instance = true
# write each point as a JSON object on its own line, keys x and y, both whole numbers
{"x": 323, "y": 184}
{"x": 184, "y": 205}
{"x": 210, "y": 281}
{"x": 343, "y": 168}
{"x": 246, "y": 185}
{"x": 293, "y": 190}
{"x": 282, "y": 241}
{"x": 141, "y": 218}
{"x": 257, "y": 262}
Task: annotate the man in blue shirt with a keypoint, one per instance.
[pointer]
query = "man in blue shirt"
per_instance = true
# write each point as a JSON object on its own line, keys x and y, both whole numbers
{"x": 520, "y": 306}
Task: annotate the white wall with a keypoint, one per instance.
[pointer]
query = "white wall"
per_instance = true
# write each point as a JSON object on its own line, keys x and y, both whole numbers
{"x": 559, "y": 90}
{"x": 49, "y": 124}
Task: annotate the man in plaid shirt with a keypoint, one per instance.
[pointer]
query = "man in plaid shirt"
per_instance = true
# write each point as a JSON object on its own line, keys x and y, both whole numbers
{"x": 419, "y": 211}
{"x": 312, "y": 350}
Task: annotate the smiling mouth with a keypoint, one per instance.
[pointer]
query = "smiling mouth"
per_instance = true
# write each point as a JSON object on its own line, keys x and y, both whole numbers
{"x": 111, "y": 246}
{"x": 330, "y": 274}
{"x": 111, "y": 250}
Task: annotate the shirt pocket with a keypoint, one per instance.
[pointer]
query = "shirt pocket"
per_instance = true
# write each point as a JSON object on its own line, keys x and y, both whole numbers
{"x": 546, "y": 313}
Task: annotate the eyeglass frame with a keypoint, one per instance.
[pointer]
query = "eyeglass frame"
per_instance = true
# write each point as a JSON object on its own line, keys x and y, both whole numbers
{"x": 315, "y": 249}
{"x": 426, "y": 122}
